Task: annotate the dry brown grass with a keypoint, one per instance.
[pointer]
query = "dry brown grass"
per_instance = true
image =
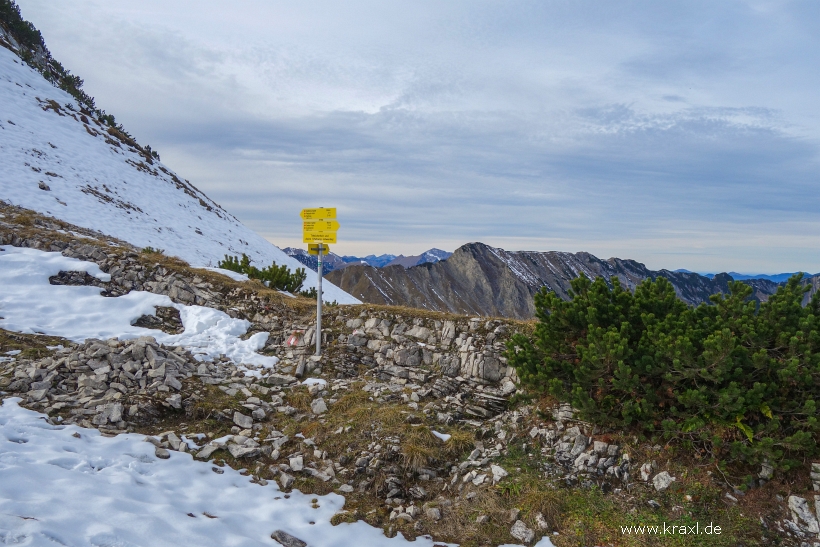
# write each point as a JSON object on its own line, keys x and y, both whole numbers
{"x": 350, "y": 401}
{"x": 419, "y": 447}
{"x": 25, "y": 219}
{"x": 312, "y": 430}
{"x": 460, "y": 521}
{"x": 33, "y": 346}
{"x": 299, "y": 398}
{"x": 535, "y": 498}
{"x": 460, "y": 441}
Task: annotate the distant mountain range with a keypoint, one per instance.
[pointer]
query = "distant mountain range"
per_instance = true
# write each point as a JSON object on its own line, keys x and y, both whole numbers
{"x": 335, "y": 262}
{"x": 375, "y": 261}
{"x": 427, "y": 257}
{"x": 482, "y": 280}
{"x": 776, "y": 278}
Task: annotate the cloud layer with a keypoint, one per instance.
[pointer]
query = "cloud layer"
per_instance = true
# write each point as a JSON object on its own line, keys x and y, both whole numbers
{"x": 679, "y": 134}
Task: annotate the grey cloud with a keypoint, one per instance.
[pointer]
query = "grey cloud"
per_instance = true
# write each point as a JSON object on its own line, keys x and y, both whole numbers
{"x": 691, "y": 165}
{"x": 649, "y": 128}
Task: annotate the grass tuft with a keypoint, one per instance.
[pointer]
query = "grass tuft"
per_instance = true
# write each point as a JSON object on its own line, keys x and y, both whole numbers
{"x": 418, "y": 448}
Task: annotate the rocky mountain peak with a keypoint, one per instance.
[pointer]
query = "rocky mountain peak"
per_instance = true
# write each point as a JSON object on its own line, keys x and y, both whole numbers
{"x": 490, "y": 281}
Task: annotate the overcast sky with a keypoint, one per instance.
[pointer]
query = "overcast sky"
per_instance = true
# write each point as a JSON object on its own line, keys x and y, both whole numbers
{"x": 684, "y": 134}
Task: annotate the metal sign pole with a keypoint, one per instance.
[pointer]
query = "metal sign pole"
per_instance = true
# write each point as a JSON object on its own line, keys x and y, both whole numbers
{"x": 319, "y": 304}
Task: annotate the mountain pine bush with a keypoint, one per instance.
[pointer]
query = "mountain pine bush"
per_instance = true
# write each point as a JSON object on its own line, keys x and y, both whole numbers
{"x": 275, "y": 277}
{"x": 735, "y": 380}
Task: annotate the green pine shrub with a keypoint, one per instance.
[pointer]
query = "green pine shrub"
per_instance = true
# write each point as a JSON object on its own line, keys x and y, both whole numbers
{"x": 736, "y": 380}
{"x": 311, "y": 293}
{"x": 275, "y": 277}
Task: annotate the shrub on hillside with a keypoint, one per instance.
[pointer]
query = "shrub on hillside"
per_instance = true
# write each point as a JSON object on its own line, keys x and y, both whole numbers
{"x": 35, "y": 53}
{"x": 735, "y": 380}
{"x": 276, "y": 277}
{"x": 311, "y": 293}
{"x": 23, "y": 31}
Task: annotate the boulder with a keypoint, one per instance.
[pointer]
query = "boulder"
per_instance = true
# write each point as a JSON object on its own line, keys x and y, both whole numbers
{"x": 297, "y": 463}
{"x": 241, "y": 451}
{"x": 287, "y": 540}
{"x": 286, "y": 481}
{"x": 498, "y": 473}
{"x": 520, "y": 532}
{"x": 206, "y": 452}
{"x": 802, "y": 515}
{"x": 662, "y": 481}
{"x": 244, "y": 422}
{"x": 318, "y": 406}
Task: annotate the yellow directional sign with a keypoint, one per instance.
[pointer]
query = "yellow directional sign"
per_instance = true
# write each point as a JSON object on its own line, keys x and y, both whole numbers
{"x": 313, "y": 249}
{"x": 319, "y": 237}
{"x": 319, "y": 213}
{"x": 320, "y": 225}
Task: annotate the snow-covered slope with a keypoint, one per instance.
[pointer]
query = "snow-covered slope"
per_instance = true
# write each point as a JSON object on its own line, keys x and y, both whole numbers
{"x": 60, "y": 162}
{"x": 66, "y": 485}
{"x": 31, "y": 304}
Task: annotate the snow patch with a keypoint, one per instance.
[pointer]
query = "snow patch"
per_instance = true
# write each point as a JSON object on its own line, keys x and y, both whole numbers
{"x": 314, "y": 381}
{"x": 29, "y": 304}
{"x": 236, "y": 276}
{"x": 443, "y": 436}
{"x": 58, "y": 489}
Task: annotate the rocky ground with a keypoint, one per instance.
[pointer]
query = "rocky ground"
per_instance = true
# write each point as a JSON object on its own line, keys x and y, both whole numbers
{"x": 413, "y": 416}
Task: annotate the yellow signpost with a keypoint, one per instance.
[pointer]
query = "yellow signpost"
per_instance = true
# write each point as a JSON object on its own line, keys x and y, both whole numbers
{"x": 313, "y": 249}
{"x": 319, "y": 237}
{"x": 318, "y": 229}
{"x": 319, "y": 213}
{"x": 320, "y": 225}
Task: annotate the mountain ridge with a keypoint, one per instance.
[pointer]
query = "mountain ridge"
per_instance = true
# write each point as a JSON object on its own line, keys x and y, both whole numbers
{"x": 776, "y": 278}
{"x": 332, "y": 261}
{"x": 483, "y": 280}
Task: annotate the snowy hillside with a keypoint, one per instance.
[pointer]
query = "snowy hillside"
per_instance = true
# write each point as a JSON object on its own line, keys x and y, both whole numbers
{"x": 130, "y": 497}
{"x": 64, "y": 163}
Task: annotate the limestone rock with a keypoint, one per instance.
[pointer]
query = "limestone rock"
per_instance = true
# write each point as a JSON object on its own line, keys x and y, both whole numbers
{"x": 433, "y": 513}
{"x": 241, "y": 451}
{"x": 541, "y": 522}
{"x": 318, "y": 406}
{"x": 245, "y": 422}
{"x": 662, "y": 481}
{"x": 498, "y": 473}
{"x": 297, "y": 463}
{"x": 287, "y": 540}
{"x": 520, "y": 532}
{"x": 37, "y": 394}
{"x": 286, "y": 481}
{"x": 206, "y": 452}
{"x": 802, "y": 515}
